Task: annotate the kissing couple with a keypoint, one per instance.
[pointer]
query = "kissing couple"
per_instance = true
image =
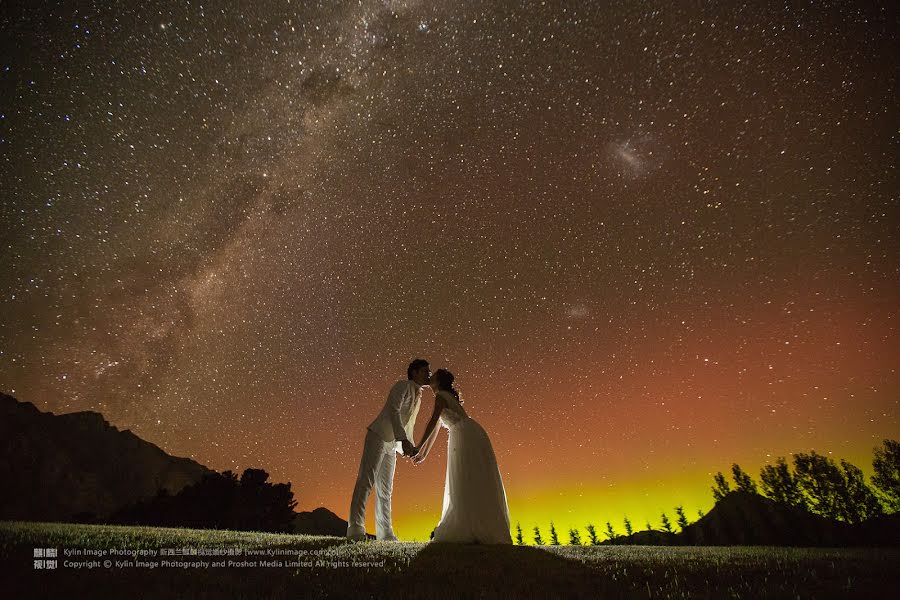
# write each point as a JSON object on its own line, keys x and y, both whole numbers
{"x": 475, "y": 508}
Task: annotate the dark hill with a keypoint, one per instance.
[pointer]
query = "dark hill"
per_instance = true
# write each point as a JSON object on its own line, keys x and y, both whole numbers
{"x": 320, "y": 521}
{"x": 76, "y": 466}
{"x": 741, "y": 518}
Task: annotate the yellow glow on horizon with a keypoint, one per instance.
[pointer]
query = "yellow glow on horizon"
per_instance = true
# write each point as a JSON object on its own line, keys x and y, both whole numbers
{"x": 575, "y": 505}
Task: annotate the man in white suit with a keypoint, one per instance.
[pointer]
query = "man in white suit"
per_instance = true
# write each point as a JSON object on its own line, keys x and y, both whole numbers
{"x": 391, "y": 432}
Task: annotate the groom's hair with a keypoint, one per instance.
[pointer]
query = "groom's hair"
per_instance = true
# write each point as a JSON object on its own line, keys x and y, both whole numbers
{"x": 415, "y": 366}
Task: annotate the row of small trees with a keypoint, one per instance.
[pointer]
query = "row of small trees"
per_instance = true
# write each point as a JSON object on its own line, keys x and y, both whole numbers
{"x": 592, "y": 539}
{"x": 817, "y": 484}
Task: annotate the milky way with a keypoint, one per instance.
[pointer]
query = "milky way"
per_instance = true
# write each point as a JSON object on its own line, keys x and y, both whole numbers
{"x": 649, "y": 241}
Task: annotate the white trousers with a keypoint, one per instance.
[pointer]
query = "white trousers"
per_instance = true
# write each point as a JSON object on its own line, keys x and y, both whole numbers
{"x": 376, "y": 469}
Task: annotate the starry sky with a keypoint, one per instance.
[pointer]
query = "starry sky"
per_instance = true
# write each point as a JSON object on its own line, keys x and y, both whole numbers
{"x": 649, "y": 239}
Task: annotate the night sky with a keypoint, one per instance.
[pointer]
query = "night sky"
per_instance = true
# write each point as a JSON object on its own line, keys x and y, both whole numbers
{"x": 649, "y": 240}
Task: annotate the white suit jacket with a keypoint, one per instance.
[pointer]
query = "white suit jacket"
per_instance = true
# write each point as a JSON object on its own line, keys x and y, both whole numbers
{"x": 396, "y": 420}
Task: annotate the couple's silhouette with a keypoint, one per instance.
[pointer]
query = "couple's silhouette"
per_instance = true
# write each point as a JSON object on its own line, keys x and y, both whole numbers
{"x": 475, "y": 508}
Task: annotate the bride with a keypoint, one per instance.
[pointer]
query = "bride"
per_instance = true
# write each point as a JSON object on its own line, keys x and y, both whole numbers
{"x": 475, "y": 507}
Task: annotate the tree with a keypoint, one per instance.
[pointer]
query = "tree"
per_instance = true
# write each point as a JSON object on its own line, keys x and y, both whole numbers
{"x": 554, "y": 539}
{"x": 253, "y": 477}
{"x": 721, "y": 488}
{"x": 780, "y": 485}
{"x": 592, "y": 535}
{"x": 861, "y": 502}
{"x": 887, "y": 474}
{"x": 820, "y": 480}
{"x": 743, "y": 481}
{"x": 628, "y": 529}
{"x": 574, "y": 537}
{"x": 519, "y": 539}
{"x": 837, "y": 493}
{"x": 649, "y": 526}
{"x": 263, "y": 506}
{"x": 700, "y": 513}
{"x": 666, "y": 524}
{"x": 682, "y": 519}
{"x": 610, "y": 532}
{"x": 538, "y": 540}
{"x": 219, "y": 501}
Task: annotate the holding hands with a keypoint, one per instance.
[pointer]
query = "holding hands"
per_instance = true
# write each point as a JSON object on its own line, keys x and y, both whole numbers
{"x": 408, "y": 449}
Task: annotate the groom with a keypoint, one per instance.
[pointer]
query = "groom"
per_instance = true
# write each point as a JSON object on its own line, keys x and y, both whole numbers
{"x": 388, "y": 434}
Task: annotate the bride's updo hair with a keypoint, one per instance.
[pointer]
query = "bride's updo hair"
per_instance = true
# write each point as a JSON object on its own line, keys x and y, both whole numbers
{"x": 445, "y": 382}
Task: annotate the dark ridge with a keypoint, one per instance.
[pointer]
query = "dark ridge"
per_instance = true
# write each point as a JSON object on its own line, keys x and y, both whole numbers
{"x": 78, "y": 467}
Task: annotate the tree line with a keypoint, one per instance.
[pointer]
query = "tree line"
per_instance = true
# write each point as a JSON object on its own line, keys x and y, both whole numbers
{"x": 218, "y": 501}
{"x": 592, "y": 538}
{"x": 815, "y": 483}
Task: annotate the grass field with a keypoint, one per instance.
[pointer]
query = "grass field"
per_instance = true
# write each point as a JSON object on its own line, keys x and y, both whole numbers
{"x": 327, "y": 566}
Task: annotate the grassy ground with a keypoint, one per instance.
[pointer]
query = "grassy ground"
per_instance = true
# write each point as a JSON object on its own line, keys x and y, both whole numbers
{"x": 335, "y": 567}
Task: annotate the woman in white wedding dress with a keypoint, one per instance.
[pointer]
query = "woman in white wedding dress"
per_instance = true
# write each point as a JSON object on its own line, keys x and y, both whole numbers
{"x": 475, "y": 508}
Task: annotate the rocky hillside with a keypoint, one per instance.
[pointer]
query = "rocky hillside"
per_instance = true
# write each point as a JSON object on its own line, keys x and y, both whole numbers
{"x": 76, "y": 466}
